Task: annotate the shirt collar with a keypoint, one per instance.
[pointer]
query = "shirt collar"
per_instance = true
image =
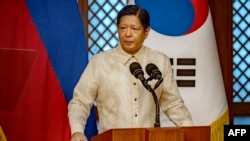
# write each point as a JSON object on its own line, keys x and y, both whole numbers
{"x": 125, "y": 57}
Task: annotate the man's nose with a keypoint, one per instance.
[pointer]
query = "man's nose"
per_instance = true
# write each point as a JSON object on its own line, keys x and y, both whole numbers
{"x": 128, "y": 32}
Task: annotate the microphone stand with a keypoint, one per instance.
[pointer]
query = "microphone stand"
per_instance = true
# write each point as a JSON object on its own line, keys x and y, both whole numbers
{"x": 157, "y": 116}
{"x": 136, "y": 70}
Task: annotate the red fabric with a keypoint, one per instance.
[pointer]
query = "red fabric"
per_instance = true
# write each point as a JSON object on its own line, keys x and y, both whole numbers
{"x": 41, "y": 110}
{"x": 201, "y": 8}
{"x": 16, "y": 65}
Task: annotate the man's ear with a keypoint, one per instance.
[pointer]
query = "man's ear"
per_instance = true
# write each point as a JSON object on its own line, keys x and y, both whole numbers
{"x": 147, "y": 30}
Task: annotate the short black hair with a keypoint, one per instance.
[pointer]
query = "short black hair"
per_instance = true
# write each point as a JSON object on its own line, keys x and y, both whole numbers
{"x": 142, "y": 14}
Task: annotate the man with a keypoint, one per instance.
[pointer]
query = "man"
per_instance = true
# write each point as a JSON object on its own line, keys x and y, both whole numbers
{"x": 122, "y": 100}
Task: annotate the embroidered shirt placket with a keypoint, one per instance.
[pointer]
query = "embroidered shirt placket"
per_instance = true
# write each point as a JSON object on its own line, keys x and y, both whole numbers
{"x": 134, "y": 96}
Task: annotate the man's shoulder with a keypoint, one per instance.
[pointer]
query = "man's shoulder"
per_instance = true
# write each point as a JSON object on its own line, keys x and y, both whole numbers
{"x": 155, "y": 52}
{"x": 104, "y": 54}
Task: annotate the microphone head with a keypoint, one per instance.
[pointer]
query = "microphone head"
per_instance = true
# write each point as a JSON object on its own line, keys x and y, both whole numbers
{"x": 153, "y": 71}
{"x": 136, "y": 69}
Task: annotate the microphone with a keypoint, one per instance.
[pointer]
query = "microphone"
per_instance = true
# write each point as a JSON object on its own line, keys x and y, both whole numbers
{"x": 154, "y": 73}
{"x": 136, "y": 70}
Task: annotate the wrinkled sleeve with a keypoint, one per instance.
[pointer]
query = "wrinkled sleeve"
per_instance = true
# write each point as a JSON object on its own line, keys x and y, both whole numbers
{"x": 171, "y": 101}
{"x": 84, "y": 95}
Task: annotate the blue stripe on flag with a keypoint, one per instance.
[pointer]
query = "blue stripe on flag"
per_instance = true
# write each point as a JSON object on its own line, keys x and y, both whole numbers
{"x": 61, "y": 29}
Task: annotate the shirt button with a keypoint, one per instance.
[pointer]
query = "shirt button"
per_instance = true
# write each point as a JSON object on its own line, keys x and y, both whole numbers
{"x": 135, "y": 99}
{"x": 134, "y": 83}
{"x": 135, "y": 115}
{"x": 133, "y": 56}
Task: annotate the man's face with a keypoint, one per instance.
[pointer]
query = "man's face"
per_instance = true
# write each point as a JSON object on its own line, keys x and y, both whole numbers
{"x": 131, "y": 33}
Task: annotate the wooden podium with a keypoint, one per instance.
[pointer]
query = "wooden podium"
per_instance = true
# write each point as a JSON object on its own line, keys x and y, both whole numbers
{"x": 194, "y": 133}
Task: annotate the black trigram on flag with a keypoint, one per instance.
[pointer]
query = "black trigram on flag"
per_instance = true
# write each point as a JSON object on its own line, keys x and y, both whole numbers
{"x": 185, "y": 71}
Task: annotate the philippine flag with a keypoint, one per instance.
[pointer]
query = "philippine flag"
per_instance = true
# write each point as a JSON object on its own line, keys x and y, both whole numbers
{"x": 42, "y": 55}
{"x": 183, "y": 30}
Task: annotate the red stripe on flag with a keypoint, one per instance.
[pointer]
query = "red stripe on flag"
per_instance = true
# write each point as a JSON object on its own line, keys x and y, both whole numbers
{"x": 41, "y": 112}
